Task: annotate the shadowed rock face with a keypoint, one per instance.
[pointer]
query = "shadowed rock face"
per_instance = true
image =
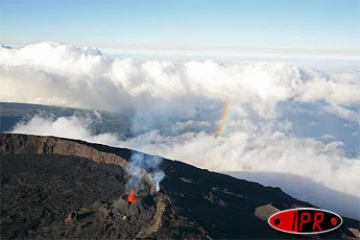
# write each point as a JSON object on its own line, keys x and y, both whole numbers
{"x": 47, "y": 180}
{"x": 24, "y": 144}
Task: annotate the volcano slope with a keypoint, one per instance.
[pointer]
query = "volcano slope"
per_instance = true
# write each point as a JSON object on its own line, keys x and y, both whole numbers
{"x": 56, "y": 188}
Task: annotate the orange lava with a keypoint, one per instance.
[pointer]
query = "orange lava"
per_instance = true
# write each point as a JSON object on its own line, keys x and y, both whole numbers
{"x": 132, "y": 197}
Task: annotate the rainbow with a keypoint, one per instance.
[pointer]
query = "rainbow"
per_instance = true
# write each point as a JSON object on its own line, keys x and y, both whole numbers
{"x": 224, "y": 119}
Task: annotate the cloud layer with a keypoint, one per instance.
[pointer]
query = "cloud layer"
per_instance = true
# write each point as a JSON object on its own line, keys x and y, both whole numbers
{"x": 53, "y": 73}
{"x": 280, "y": 118}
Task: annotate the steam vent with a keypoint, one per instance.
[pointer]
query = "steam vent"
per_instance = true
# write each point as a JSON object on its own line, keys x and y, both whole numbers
{"x": 56, "y": 188}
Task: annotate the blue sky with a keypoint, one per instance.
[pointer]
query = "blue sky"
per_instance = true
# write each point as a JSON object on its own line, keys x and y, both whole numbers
{"x": 294, "y": 24}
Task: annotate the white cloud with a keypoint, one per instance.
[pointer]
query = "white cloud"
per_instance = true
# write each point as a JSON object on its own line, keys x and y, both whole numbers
{"x": 338, "y": 90}
{"x": 53, "y": 73}
{"x": 328, "y": 137}
{"x": 220, "y": 52}
{"x": 343, "y": 112}
{"x": 74, "y": 127}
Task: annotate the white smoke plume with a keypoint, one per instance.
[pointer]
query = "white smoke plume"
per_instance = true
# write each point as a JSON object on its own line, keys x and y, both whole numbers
{"x": 279, "y": 112}
{"x": 140, "y": 162}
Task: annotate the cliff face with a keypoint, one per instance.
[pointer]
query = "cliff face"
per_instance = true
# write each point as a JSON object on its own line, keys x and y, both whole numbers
{"x": 61, "y": 188}
{"x": 25, "y": 144}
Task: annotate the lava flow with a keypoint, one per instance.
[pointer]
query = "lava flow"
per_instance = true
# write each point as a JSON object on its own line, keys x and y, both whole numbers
{"x": 132, "y": 197}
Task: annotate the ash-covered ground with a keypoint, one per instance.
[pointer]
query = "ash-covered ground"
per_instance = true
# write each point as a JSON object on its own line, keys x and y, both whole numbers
{"x": 54, "y": 188}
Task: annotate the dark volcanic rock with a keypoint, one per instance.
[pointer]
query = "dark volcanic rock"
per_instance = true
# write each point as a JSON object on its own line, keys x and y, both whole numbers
{"x": 57, "y": 188}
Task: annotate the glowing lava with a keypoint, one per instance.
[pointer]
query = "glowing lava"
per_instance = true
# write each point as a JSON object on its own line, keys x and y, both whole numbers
{"x": 132, "y": 197}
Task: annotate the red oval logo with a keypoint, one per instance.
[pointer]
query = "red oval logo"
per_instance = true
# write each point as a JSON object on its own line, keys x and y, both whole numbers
{"x": 305, "y": 221}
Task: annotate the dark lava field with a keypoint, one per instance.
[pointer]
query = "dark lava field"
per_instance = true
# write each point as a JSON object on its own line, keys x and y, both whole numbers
{"x": 53, "y": 188}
